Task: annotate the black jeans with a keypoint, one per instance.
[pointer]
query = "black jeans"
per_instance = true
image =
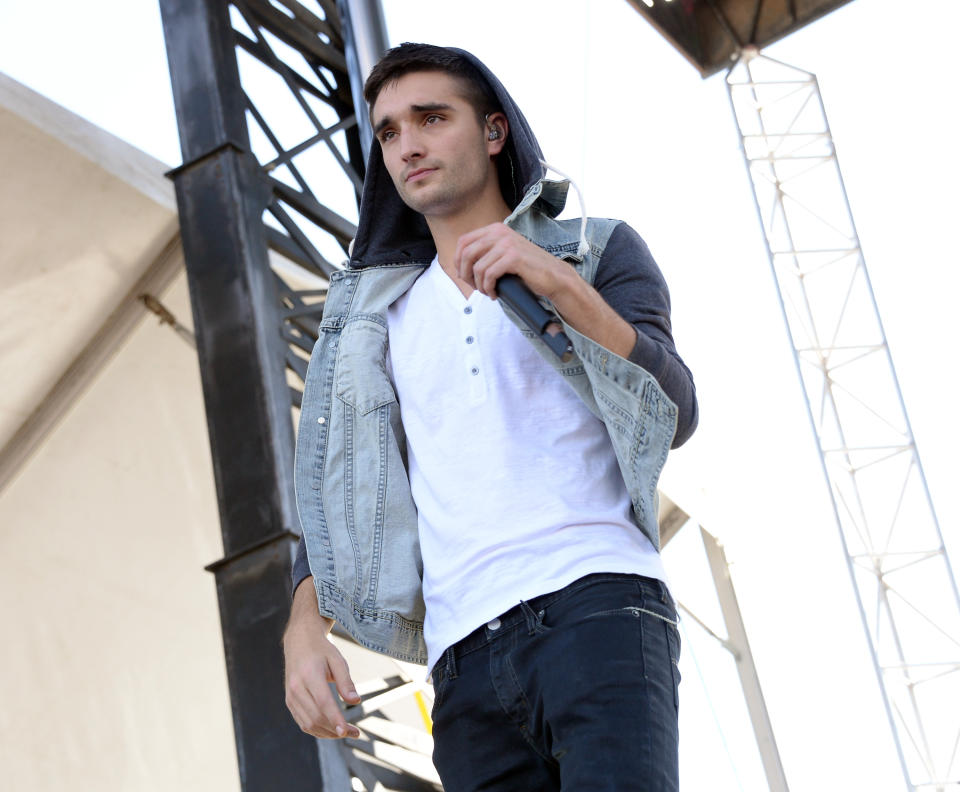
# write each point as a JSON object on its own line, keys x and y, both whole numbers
{"x": 574, "y": 690}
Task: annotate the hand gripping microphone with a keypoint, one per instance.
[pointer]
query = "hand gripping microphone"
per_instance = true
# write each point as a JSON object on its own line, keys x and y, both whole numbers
{"x": 514, "y": 293}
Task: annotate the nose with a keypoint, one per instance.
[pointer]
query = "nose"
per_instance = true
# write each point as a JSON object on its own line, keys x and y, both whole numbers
{"x": 411, "y": 144}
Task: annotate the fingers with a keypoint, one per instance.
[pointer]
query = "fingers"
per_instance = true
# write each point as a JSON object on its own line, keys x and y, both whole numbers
{"x": 492, "y": 231}
{"x": 314, "y": 708}
{"x": 340, "y": 676}
{"x": 482, "y": 274}
{"x": 481, "y": 262}
{"x": 487, "y": 272}
{"x": 464, "y": 263}
{"x": 484, "y": 255}
{"x": 310, "y": 698}
{"x": 308, "y": 719}
{"x": 471, "y": 247}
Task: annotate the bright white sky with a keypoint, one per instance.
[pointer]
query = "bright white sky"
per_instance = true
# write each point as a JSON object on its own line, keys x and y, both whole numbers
{"x": 650, "y": 142}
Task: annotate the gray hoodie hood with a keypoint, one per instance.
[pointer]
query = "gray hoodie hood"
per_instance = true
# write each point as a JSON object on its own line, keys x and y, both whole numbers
{"x": 390, "y": 232}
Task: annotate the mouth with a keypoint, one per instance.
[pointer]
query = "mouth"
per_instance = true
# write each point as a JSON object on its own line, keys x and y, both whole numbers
{"x": 419, "y": 173}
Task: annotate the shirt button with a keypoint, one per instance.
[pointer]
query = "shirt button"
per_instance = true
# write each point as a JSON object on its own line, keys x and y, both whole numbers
{"x": 468, "y": 310}
{"x": 493, "y": 624}
{"x": 474, "y": 371}
{"x": 469, "y": 339}
{"x": 321, "y": 420}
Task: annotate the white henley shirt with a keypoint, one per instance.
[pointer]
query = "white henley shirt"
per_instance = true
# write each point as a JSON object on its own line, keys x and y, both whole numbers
{"x": 516, "y": 484}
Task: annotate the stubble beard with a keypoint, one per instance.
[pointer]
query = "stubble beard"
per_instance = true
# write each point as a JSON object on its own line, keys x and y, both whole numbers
{"x": 444, "y": 200}
{"x": 455, "y": 189}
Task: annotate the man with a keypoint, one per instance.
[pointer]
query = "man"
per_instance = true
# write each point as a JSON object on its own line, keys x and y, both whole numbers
{"x": 467, "y": 499}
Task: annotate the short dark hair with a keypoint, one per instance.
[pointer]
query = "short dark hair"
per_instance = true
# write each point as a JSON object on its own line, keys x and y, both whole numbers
{"x": 409, "y": 57}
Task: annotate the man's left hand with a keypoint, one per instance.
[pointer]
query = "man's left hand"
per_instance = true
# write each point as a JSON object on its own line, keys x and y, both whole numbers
{"x": 486, "y": 253}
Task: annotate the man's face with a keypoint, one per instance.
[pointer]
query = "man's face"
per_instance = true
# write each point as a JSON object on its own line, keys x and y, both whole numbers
{"x": 434, "y": 147}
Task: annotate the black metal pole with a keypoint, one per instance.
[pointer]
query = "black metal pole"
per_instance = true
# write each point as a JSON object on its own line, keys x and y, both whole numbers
{"x": 364, "y": 42}
{"x": 221, "y": 197}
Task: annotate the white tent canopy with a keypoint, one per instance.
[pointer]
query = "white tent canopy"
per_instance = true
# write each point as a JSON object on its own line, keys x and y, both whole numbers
{"x": 113, "y": 672}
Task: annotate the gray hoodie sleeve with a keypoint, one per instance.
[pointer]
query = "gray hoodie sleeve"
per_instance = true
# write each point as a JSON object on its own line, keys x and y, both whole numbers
{"x": 301, "y": 568}
{"x": 630, "y": 282}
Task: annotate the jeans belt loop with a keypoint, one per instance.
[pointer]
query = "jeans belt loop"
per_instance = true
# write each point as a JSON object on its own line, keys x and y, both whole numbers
{"x": 665, "y": 595}
{"x": 534, "y": 620}
{"x": 450, "y": 662}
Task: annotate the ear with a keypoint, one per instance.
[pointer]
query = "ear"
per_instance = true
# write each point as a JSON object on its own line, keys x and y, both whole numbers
{"x": 497, "y": 127}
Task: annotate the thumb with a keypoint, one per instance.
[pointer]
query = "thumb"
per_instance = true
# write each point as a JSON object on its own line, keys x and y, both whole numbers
{"x": 341, "y": 678}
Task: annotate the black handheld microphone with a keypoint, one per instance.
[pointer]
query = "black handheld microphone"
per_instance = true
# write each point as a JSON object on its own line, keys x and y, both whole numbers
{"x": 514, "y": 293}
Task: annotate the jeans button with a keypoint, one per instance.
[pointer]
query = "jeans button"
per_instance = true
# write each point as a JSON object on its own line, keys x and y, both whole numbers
{"x": 493, "y": 624}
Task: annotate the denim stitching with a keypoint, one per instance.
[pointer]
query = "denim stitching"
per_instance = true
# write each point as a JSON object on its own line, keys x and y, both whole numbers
{"x": 636, "y": 611}
{"x": 523, "y": 725}
{"x": 326, "y": 363}
{"x": 674, "y": 670}
{"x": 378, "y": 517}
{"x": 348, "y": 474}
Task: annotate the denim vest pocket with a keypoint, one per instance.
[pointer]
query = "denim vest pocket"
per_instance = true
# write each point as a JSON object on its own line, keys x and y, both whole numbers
{"x": 364, "y": 338}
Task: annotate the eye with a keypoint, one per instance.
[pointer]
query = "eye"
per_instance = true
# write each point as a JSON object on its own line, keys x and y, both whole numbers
{"x": 387, "y": 135}
{"x": 432, "y": 119}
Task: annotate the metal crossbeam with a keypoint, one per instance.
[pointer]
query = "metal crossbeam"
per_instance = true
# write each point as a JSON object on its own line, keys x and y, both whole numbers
{"x": 895, "y": 553}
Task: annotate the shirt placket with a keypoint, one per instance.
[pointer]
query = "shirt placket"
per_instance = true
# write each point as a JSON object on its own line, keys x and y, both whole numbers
{"x": 472, "y": 361}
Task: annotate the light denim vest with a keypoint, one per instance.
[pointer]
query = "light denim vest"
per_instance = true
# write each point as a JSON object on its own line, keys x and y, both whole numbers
{"x": 356, "y": 510}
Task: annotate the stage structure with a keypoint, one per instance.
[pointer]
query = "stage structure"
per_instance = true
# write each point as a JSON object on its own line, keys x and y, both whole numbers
{"x": 902, "y": 577}
{"x": 259, "y": 246}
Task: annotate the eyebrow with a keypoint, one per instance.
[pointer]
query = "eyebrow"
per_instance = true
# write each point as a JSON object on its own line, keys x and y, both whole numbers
{"x": 417, "y": 108}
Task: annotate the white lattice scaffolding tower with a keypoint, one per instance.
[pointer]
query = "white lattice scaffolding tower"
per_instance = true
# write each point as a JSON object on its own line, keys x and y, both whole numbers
{"x": 894, "y": 549}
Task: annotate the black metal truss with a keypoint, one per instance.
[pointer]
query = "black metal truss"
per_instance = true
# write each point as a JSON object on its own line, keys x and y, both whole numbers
{"x": 315, "y": 68}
